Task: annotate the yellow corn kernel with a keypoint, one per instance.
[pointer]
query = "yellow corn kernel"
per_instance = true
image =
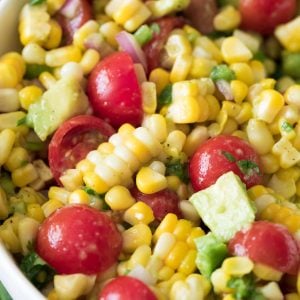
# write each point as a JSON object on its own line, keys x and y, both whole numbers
{"x": 176, "y": 255}
{"x": 234, "y": 51}
{"x": 189, "y": 212}
{"x": 165, "y": 286}
{"x": 239, "y": 90}
{"x": 54, "y": 5}
{"x": 292, "y": 296}
{"x": 154, "y": 265}
{"x": 35, "y": 211}
{"x": 121, "y": 12}
{"x": 162, "y": 7}
{"x": 181, "y": 68}
{"x": 109, "y": 30}
{"x": 59, "y": 56}
{"x": 149, "y": 99}
{"x": 195, "y": 233}
{"x": 251, "y": 40}
{"x": 288, "y": 35}
{"x": 168, "y": 224}
{"x": 34, "y": 54}
{"x": 157, "y": 126}
{"x": 243, "y": 72}
{"x": 211, "y": 50}
{"x": 15, "y": 60}
{"x": 178, "y": 44}
{"x": 237, "y": 266}
{"x": 24, "y": 175}
{"x": 83, "y": 32}
{"x": 79, "y": 196}
{"x": 51, "y": 206}
{"x": 175, "y": 141}
{"x": 7, "y": 140}
{"x": 166, "y": 241}
{"x": 195, "y": 138}
{"x": 55, "y": 35}
{"x": 182, "y": 229}
{"x": 4, "y": 208}
{"x": 201, "y": 67}
{"x": 138, "y": 148}
{"x": 228, "y": 18}
{"x": 10, "y": 239}
{"x": 85, "y": 166}
{"x": 72, "y": 179}
{"x": 9, "y": 77}
{"x": 47, "y": 79}
{"x": 219, "y": 281}
{"x": 140, "y": 256}
{"x": 271, "y": 291}
{"x": 270, "y": 163}
{"x": 160, "y": 77}
{"x": 136, "y": 236}
{"x": 291, "y": 95}
{"x": 29, "y": 95}
{"x": 139, "y": 212}
{"x": 267, "y": 105}
{"x": 258, "y": 69}
{"x": 165, "y": 273}
{"x": 73, "y": 286}
{"x": 267, "y": 273}
{"x": 173, "y": 182}
{"x": 89, "y": 60}
{"x": 17, "y": 158}
{"x": 149, "y": 181}
{"x": 191, "y": 32}
{"x": 141, "y": 15}
{"x": 58, "y": 193}
{"x": 119, "y": 198}
{"x": 188, "y": 265}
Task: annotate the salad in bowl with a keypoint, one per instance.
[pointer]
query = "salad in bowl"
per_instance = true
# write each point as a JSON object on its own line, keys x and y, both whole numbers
{"x": 149, "y": 149}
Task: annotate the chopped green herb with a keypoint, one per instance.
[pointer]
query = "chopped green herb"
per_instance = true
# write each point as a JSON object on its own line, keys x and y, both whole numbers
{"x": 155, "y": 28}
{"x": 36, "y": 2}
{"x": 222, "y": 72}
{"x": 165, "y": 97}
{"x": 179, "y": 169}
{"x": 259, "y": 55}
{"x": 3, "y": 293}
{"x": 21, "y": 121}
{"x": 244, "y": 288}
{"x": 286, "y": 126}
{"x": 34, "y": 70}
{"x": 291, "y": 64}
{"x": 34, "y": 146}
{"x": 228, "y": 2}
{"x": 229, "y": 156}
{"x": 89, "y": 191}
{"x": 248, "y": 167}
{"x": 143, "y": 35}
{"x": 7, "y": 184}
{"x": 36, "y": 270}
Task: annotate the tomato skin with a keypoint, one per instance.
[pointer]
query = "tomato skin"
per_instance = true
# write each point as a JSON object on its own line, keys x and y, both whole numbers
{"x": 212, "y": 159}
{"x": 162, "y": 202}
{"x": 70, "y": 25}
{"x": 69, "y": 144}
{"x": 267, "y": 243}
{"x": 264, "y": 16}
{"x": 154, "y": 48}
{"x": 79, "y": 239}
{"x": 114, "y": 91}
{"x": 126, "y": 288}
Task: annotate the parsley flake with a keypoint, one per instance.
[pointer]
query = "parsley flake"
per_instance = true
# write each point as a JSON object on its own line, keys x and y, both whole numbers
{"x": 228, "y": 156}
{"x": 286, "y": 126}
{"x": 248, "y": 167}
{"x": 36, "y": 2}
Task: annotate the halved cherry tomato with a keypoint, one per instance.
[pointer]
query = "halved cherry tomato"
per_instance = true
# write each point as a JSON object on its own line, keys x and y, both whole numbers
{"x": 162, "y": 202}
{"x": 264, "y": 16}
{"x": 267, "y": 243}
{"x": 201, "y": 13}
{"x": 79, "y": 239}
{"x": 114, "y": 91}
{"x": 73, "y": 140}
{"x": 220, "y": 155}
{"x": 154, "y": 48}
{"x": 81, "y": 13}
{"x": 126, "y": 288}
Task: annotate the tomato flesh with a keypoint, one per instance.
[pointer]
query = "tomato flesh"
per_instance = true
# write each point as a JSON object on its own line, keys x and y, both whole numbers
{"x": 83, "y": 13}
{"x": 264, "y": 15}
{"x": 74, "y": 140}
{"x": 154, "y": 48}
{"x": 269, "y": 244}
{"x": 79, "y": 239}
{"x": 220, "y": 155}
{"x": 162, "y": 202}
{"x": 114, "y": 91}
{"x": 126, "y": 288}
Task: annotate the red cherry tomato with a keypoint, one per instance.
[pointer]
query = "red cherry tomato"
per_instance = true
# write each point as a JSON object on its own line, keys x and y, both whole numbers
{"x": 73, "y": 140}
{"x": 81, "y": 12}
{"x": 114, "y": 91}
{"x": 154, "y": 48}
{"x": 201, "y": 13}
{"x": 267, "y": 243}
{"x": 220, "y": 155}
{"x": 264, "y": 16}
{"x": 126, "y": 288}
{"x": 79, "y": 239}
{"x": 162, "y": 202}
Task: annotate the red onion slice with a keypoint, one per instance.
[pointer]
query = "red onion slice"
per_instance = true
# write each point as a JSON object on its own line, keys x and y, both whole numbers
{"x": 224, "y": 87}
{"x": 128, "y": 43}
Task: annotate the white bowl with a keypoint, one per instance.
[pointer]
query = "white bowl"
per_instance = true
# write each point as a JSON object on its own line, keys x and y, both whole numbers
{"x": 12, "y": 278}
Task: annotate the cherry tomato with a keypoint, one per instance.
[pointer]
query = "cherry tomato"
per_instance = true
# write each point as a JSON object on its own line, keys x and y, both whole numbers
{"x": 114, "y": 91}
{"x": 79, "y": 239}
{"x": 201, "y": 13}
{"x": 264, "y": 16}
{"x": 81, "y": 13}
{"x": 154, "y": 48}
{"x": 73, "y": 140}
{"x": 162, "y": 202}
{"x": 126, "y": 288}
{"x": 220, "y": 155}
{"x": 267, "y": 243}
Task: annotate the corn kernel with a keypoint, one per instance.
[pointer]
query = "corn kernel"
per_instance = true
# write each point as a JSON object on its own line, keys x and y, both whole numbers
{"x": 29, "y": 95}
